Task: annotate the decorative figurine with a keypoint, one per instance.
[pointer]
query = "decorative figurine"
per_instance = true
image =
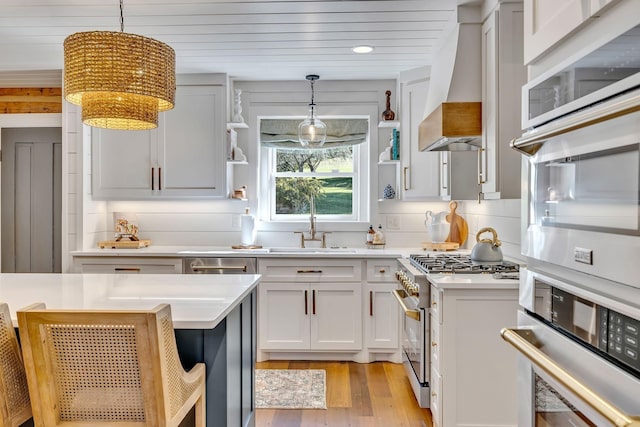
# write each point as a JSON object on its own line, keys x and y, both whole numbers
{"x": 389, "y": 192}
{"x": 388, "y": 114}
{"x": 237, "y": 107}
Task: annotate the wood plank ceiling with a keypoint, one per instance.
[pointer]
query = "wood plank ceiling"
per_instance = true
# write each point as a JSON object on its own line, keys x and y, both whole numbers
{"x": 247, "y": 39}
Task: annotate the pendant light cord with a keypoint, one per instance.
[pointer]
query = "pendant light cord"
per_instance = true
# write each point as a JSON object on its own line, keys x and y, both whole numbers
{"x": 121, "y": 18}
{"x": 312, "y": 93}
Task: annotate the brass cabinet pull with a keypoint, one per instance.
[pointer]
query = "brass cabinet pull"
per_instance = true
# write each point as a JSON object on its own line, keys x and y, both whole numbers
{"x": 153, "y": 178}
{"x": 127, "y": 268}
{"x": 434, "y": 344}
{"x": 520, "y": 339}
{"x": 481, "y": 173}
{"x": 370, "y": 303}
{"x": 404, "y": 178}
{"x": 159, "y": 178}
{"x": 444, "y": 173}
{"x": 309, "y": 271}
{"x": 412, "y": 314}
{"x": 382, "y": 271}
{"x": 306, "y": 302}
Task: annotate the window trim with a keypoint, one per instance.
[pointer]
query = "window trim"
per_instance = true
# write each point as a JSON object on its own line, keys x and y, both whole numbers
{"x": 362, "y": 207}
{"x": 356, "y": 188}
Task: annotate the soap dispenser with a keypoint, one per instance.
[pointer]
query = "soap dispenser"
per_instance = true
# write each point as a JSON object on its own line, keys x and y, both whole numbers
{"x": 379, "y": 236}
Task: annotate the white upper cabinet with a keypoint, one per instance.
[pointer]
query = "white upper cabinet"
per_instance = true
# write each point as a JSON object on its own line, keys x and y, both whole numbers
{"x": 420, "y": 169}
{"x": 183, "y": 157}
{"x": 503, "y": 74}
{"x": 193, "y": 154}
{"x": 123, "y": 163}
{"x": 547, "y": 22}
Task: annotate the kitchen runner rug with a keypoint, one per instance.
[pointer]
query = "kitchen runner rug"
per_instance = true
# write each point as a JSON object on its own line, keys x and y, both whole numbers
{"x": 291, "y": 388}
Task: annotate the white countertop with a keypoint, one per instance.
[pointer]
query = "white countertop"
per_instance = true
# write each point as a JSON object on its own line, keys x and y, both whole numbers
{"x": 470, "y": 281}
{"x": 197, "y": 301}
{"x": 212, "y": 251}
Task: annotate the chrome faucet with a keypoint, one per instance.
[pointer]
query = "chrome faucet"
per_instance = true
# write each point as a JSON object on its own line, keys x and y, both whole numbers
{"x": 312, "y": 227}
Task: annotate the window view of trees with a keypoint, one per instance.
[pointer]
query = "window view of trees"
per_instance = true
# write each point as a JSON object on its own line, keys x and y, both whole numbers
{"x": 327, "y": 175}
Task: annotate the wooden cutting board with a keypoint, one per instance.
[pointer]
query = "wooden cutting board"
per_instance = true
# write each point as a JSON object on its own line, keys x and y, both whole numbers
{"x": 124, "y": 244}
{"x": 440, "y": 246}
{"x": 458, "y": 227}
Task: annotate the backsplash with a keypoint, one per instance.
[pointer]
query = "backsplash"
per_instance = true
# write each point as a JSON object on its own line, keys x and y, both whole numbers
{"x": 216, "y": 223}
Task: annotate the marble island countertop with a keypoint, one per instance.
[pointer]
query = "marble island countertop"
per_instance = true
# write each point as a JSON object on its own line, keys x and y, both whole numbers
{"x": 212, "y": 251}
{"x": 197, "y": 301}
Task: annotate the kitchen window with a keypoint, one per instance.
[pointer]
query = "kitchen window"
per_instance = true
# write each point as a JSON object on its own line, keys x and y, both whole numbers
{"x": 332, "y": 175}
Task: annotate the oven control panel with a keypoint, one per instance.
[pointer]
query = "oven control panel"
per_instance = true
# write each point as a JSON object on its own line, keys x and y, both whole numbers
{"x": 624, "y": 338}
{"x": 611, "y": 332}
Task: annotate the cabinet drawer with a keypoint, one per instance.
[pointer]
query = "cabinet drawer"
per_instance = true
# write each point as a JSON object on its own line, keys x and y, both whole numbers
{"x": 310, "y": 270}
{"x": 381, "y": 270}
{"x": 129, "y": 266}
{"x": 436, "y": 305}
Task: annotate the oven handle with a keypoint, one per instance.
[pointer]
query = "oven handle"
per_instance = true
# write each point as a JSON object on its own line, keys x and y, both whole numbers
{"x": 530, "y": 144}
{"x": 522, "y": 339}
{"x": 412, "y": 314}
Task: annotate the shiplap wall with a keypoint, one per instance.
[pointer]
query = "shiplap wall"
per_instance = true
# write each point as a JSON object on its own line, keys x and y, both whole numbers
{"x": 215, "y": 223}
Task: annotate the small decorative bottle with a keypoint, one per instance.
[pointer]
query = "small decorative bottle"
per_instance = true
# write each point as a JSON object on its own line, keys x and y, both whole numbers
{"x": 370, "y": 234}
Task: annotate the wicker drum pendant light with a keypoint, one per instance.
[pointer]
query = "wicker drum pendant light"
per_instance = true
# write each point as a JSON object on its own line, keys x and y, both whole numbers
{"x": 121, "y": 80}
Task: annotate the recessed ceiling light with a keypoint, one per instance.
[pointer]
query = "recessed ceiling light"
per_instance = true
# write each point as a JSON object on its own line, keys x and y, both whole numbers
{"x": 362, "y": 49}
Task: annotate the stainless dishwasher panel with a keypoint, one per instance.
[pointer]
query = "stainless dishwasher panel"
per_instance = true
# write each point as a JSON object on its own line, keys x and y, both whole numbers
{"x": 221, "y": 265}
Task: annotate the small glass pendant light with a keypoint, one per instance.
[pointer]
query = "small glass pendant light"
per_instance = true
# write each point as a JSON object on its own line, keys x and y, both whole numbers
{"x": 312, "y": 132}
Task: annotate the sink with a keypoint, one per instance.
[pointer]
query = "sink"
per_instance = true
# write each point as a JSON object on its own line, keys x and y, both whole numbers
{"x": 313, "y": 250}
{"x": 224, "y": 251}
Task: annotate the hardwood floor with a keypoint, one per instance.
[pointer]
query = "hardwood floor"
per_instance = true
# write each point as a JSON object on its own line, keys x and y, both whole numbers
{"x": 358, "y": 395}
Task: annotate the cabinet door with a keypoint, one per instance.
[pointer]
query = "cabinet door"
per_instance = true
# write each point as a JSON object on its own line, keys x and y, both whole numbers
{"x": 192, "y": 156}
{"x": 549, "y": 21}
{"x": 382, "y": 316}
{"x": 123, "y": 163}
{"x": 284, "y": 313}
{"x": 420, "y": 169}
{"x": 503, "y": 75}
{"x": 336, "y": 316}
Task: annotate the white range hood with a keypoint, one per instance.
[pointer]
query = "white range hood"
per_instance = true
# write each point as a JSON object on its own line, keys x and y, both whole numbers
{"x": 453, "y": 105}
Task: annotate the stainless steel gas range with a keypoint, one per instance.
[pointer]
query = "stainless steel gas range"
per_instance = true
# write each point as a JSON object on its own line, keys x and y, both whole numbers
{"x": 413, "y": 295}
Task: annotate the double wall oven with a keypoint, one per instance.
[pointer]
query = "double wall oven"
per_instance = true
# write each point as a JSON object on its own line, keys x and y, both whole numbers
{"x": 578, "y": 333}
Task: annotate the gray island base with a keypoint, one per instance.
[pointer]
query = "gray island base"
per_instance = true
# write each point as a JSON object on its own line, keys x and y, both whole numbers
{"x": 214, "y": 317}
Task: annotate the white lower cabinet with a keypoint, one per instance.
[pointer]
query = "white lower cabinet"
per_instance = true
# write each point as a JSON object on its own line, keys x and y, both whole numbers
{"x": 303, "y": 305}
{"x": 128, "y": 265}
{"x": 300, "y": 316}
{"x": 381, "y": 316}
{"x": 473, "y": 373}
{"x": 381, "y": 310}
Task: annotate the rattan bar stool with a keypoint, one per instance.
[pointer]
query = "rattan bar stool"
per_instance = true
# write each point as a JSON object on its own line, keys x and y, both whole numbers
{"x": 14, "y": 393}
{"x": 107, "y": 367}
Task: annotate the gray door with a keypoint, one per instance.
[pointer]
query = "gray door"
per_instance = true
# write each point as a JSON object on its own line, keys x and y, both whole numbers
{"x": 31, "y": 200}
